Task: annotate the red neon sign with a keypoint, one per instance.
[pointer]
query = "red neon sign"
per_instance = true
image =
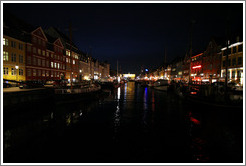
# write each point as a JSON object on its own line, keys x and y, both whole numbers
{"x": 195, "y": 67}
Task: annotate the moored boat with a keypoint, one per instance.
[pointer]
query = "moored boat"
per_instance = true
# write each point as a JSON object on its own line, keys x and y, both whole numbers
{"x": 161, "y": 84}
{"x": 78, "y": 93}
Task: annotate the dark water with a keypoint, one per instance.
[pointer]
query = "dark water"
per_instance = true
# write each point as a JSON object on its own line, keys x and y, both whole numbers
{"x": 134, "y": 124}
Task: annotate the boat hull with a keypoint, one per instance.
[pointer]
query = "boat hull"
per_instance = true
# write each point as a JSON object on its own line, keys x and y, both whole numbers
{"x": 162, "y": 88}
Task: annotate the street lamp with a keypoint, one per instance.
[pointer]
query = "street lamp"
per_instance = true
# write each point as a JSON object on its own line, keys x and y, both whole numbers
{"x": 16, "y": 67}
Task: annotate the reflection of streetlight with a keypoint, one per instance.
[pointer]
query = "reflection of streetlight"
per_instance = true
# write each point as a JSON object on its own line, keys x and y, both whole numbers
{"x": 16, "y": 67}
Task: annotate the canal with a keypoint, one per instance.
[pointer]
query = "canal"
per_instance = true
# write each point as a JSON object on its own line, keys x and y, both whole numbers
{"x": 133, "y": 124}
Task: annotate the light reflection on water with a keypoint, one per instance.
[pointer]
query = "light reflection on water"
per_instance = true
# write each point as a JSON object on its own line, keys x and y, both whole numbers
{"x": 117, "y": 113}
{"x": 137, "y": 110}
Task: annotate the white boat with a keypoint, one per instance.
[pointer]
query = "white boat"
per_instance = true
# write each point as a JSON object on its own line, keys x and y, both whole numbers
{"x": 81, "y": 90}
{"x": 161, "y": 84}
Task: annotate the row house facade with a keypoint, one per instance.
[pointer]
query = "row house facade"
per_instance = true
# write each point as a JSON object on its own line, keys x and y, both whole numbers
{"x": 71, "y": 51}
{"x": 32, "y": 53}
{"x": 44, "y": 59}
{"x": 235, "y": 62}
{"x": 13, "y": 58}
{"x": 209, "y": 65}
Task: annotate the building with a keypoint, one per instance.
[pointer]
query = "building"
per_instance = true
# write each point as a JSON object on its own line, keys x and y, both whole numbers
{"x": 44, "y": 58}
{"x": 13, "y": 58}
{"x": 235, "y": 62}
{"x": 84, "y": 67}
{"x": 14, "y": 48}
{"x": 177, "y": 69}
{"x": 211, "y": 62}
{"x": 196, "y": 67}
{"x": 72, "y": 54}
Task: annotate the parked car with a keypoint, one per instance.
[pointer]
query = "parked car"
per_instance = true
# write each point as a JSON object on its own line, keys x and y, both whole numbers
{"x": 6, "y": 85}
{"x": 31, "y": 84}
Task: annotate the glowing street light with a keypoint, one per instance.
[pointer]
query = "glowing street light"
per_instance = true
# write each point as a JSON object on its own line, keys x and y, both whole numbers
{"x": 16, "y": 67}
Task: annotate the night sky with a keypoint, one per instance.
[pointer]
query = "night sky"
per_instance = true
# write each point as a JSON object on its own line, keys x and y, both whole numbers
{"x": 135, "y": 34}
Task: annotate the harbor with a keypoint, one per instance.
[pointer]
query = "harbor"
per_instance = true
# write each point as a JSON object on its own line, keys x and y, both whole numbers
{"x": 134, "y": 124}
{"x": 114, "y": 83}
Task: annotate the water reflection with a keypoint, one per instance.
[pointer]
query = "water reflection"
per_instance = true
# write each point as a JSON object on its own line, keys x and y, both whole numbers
{"x": 136, "y": 124}
{"x": 153, "y": 101}
{"x": 117, "y": 114}
{"x": 198, "y": 144}
{"x": 145, "y": 98}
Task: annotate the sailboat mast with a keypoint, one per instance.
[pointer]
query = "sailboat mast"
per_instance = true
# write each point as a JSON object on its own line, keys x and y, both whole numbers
{"x": 71, "y": 60}
{"x": 117, "y": 68}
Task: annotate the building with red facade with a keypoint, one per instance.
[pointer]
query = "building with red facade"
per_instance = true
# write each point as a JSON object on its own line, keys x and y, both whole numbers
{"x": 196, "y": 67}
{"x": 44, "y": 58}
{"x": 72, "y": 54}
{"x": 212, "y": 62}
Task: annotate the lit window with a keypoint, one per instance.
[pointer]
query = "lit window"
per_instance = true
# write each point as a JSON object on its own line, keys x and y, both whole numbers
{"x": 73, "y": 61}
{"x": 47, "y": 54}
{"x": 13, "y": 71}
{"x": 39, "y": 52}
{"x": 5, "y": 42}
{"x": 55, "y": 64}
{"x": 43, "y": 53}
{"x": 58, "y": 65}
{"x": 5, "y": 56}
{"x": 51, "y": 64}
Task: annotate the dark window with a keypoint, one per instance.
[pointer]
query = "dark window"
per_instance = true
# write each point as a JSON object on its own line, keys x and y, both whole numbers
{"x": 234, "y": 50}
{"x": 239, "y": 72}
{"x": 21, "y": 58}
{"x": 229, "y": 62}
{"x": 20, "y": 46}
{"x": 240, "y": 48}
{"x": 228, "y": 74}
{"x": 13, "y": 57}
{"x": 234, "y": 62}
{"x": 13, "y": 44}
{"x": 29, "y": 48}
{"x": 224, "y": 74}
{"x": 240, "y": 60}
{"x": 233, "y": 74}
{"x": 21, "y": 72}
